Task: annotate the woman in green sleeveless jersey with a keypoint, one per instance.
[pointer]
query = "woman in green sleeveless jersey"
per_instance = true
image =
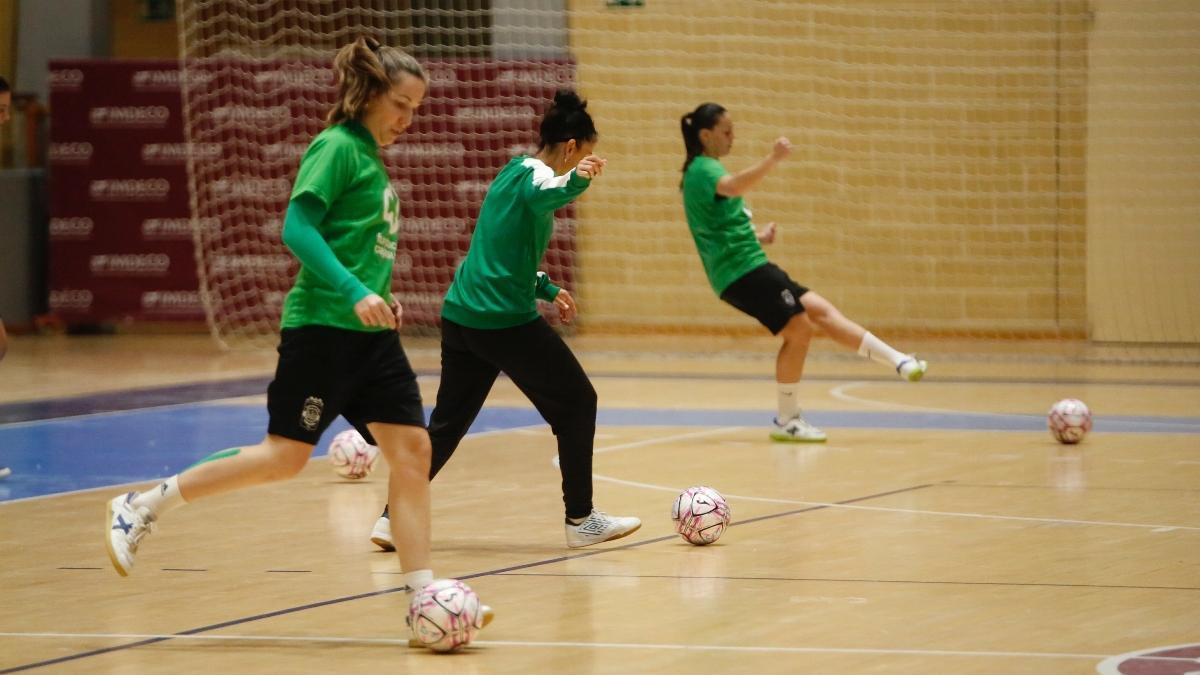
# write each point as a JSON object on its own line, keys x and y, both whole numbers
{"x": 738, "y": 270}
{"x": 339, "y": 351}
{"x": 490, "y": 322}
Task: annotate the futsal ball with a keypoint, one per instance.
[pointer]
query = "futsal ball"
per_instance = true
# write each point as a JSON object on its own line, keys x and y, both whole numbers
{"x": 1069, "y": 420}
{"x": 445, "y": 615}
{"x": 701, "y": 515}
{"x": 351, "y": 456}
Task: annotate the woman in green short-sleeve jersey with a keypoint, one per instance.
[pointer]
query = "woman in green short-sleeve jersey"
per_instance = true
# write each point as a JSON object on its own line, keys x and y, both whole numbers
{"x": 731, "y": 251}
{"x": 339, "y": 350}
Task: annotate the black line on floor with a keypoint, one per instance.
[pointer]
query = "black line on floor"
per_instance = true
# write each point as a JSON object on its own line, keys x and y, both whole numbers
{"x": 1020, "y": 584}
{"x": 360, "y": 596}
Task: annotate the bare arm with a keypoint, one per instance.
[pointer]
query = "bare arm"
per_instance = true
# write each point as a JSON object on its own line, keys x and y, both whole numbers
{"x": 738, "y": 184}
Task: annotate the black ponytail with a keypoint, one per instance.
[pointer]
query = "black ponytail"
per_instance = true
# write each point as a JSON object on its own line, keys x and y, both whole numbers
{"x": 566, "y": 119}
{"x": 705, "y": 116}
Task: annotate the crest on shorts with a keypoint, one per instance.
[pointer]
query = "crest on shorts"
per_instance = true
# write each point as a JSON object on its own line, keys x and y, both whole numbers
{"x": 788, "y": 298}
{"x": 310, "y": 416}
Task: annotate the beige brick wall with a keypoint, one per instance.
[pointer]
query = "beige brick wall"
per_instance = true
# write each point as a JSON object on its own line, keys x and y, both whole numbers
{"x": 937, "y": 181}
{"x": 1143, "y": 172}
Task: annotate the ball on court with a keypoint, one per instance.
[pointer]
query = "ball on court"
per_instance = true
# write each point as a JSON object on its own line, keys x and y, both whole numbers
{"x": 445, "y": 615}
{"x": 701, "y": 515}
{"x": 1069, "y": 421}
{"x": 351, "y": 456}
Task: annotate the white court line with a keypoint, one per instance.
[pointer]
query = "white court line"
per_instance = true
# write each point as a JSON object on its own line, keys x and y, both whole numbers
{"x": 600, "y": 645}
{"x": 839, "y": 392}
{"x": 653, "y": 441}
{"x": 1112, "y": 665}
{"x": 950, "y": 514}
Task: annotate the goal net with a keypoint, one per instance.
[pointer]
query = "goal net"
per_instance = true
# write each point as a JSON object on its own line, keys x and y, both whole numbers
{"x": 991, "y": 169}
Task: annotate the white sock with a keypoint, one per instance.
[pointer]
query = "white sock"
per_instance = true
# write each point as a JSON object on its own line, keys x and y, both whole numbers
{"x": 789, "y": 401}
{"x": 879, "y": 351}
{"x": 162, "y": 498}
{"x": 416, "y": 580}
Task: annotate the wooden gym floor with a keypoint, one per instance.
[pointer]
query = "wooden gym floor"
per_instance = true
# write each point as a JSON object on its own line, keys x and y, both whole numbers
{"x": 939, "y": 530}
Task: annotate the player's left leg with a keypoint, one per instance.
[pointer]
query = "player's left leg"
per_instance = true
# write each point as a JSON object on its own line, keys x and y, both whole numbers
{"x": 849, "y": 334}
{"x": 542, "y": 366}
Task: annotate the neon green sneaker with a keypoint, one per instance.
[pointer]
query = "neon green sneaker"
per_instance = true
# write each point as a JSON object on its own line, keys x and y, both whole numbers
{"x": 912, "y": 369}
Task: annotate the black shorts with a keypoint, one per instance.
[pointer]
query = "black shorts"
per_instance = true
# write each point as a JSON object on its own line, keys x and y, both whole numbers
{"x": 768, "y": 294}
{"x": 324, "y": 372}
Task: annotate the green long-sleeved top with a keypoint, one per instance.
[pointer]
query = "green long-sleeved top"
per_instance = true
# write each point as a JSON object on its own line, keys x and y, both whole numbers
{"x": 497, "y": 285}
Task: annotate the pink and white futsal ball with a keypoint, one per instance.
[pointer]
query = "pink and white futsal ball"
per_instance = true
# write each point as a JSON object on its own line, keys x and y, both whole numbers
{"x": 1069, "y": 420}
{"x": 351, "y": 456}
{"x": 445, "y": 615}
{"x": 701, "y": 515}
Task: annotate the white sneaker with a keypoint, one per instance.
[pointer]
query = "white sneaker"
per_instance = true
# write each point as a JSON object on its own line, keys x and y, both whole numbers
{"x": 797, "y": 430}
{"x": 912, "y": 368}
{"x": 598, "y": 527}
{"x": 381, "y": 536}
{"x": 127, "y": 524}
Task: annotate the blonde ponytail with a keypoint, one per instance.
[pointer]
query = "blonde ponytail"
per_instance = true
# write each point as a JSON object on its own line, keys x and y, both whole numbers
{"x": 365, "y": 69}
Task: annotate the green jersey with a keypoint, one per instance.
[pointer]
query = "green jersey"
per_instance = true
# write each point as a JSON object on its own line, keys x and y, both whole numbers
{"x": 720, "y": 225}
{"x": 497, "y": 284}
{"x": 342, "y": 169}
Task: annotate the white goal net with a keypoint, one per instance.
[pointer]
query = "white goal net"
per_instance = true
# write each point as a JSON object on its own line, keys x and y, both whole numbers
{"x": 986, "y": 169}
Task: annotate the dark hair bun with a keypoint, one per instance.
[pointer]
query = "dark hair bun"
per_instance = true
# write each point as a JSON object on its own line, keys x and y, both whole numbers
{"x": 568, "y": 101}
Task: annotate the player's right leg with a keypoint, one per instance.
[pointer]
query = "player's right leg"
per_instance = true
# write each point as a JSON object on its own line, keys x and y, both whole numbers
{"x": 390, "y": 407}
{"x": 789, "y": 423}
{"x": 316, "y": 372}
{"x": 772, "y": 297}
{"x": 131, "y": 516}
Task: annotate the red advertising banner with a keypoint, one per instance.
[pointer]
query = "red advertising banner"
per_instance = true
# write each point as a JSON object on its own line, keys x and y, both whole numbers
{"x": 122, "y": 232}
{"x": 120, "y": 236}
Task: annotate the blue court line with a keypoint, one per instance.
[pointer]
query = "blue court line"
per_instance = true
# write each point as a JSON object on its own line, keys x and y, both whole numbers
{"x": 78, "y": 453}
{"x": 133, "y": 399}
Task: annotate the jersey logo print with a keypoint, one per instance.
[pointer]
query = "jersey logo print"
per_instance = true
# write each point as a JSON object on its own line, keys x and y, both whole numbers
{"x": 391, "y": 210}
{"x": 310, "y": 414}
